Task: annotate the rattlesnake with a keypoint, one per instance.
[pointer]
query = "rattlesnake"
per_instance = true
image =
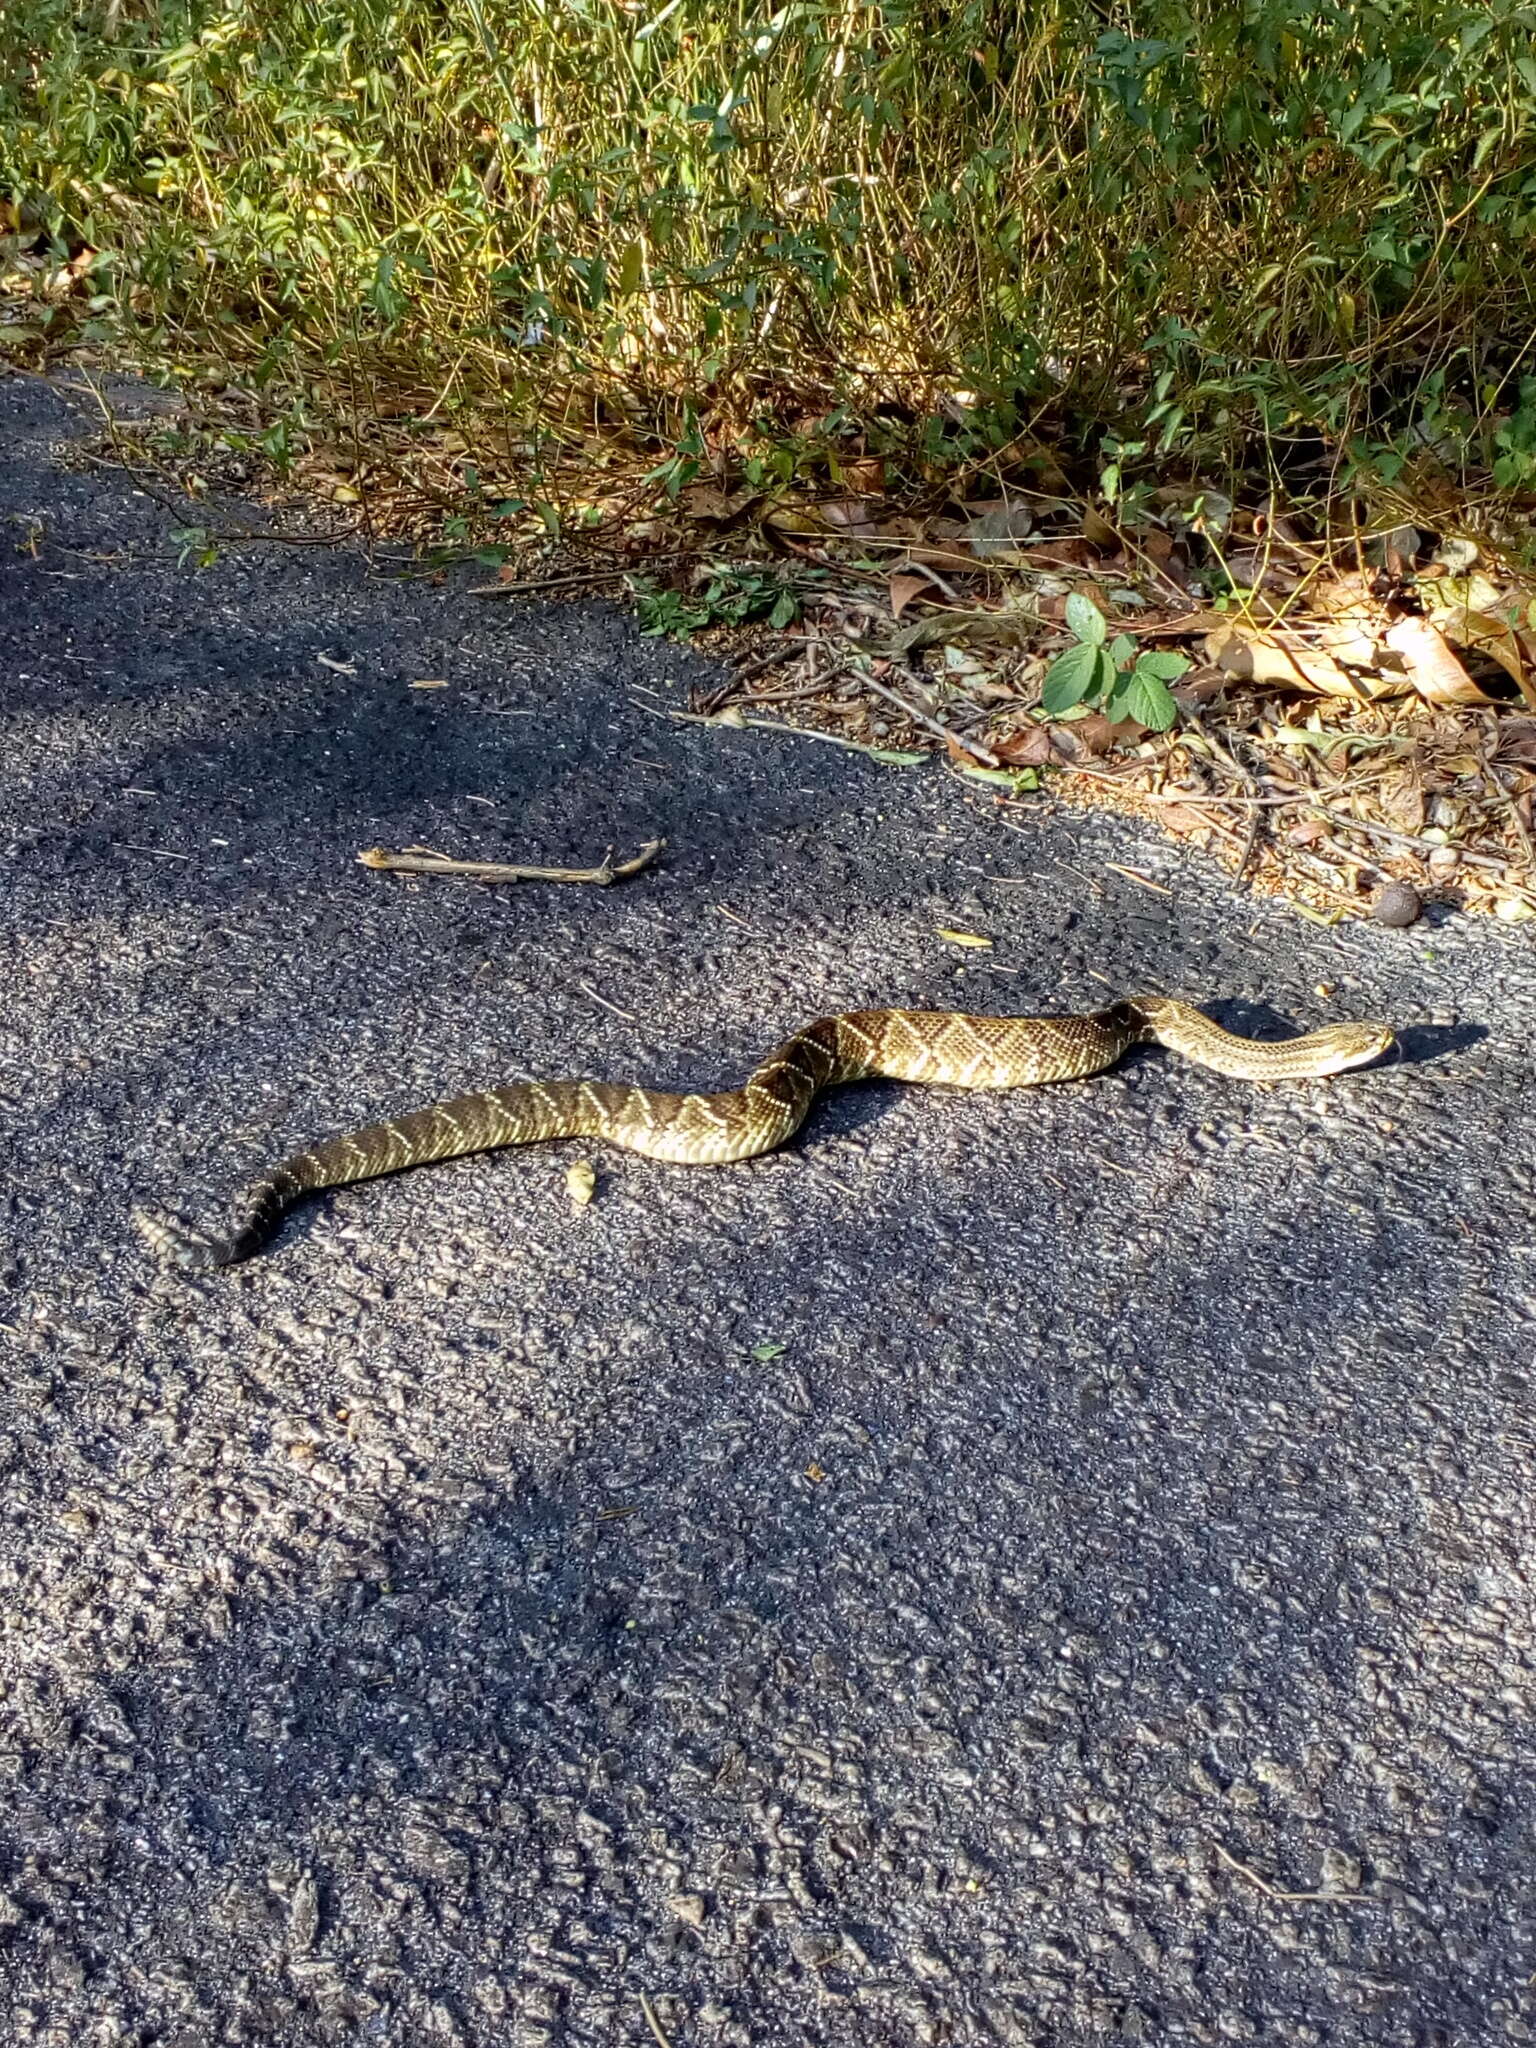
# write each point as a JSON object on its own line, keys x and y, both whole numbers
{"x": 904, "y": 1045}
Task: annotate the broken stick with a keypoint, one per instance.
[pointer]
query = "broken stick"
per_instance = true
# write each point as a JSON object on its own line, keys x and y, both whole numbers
{"x": 420, "y": 860}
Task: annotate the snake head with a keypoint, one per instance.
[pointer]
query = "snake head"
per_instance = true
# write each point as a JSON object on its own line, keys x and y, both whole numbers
{"x": 1354, "y": 1045}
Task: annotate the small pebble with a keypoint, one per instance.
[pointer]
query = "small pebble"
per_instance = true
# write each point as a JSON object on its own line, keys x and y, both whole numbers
{"x": 1341, "y": 1871}
{"x": 1398, "y": 904}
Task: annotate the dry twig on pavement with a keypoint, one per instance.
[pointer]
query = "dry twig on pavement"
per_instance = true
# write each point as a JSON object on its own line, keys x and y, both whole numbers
{"x": 418, "y": 860}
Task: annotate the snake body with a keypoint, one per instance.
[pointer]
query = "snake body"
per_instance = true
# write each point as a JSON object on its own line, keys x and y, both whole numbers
{"x": 940, "y": 1046}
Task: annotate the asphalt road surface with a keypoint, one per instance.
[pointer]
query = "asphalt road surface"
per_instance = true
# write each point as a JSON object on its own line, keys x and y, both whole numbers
{"x": 1035, "y": 1568}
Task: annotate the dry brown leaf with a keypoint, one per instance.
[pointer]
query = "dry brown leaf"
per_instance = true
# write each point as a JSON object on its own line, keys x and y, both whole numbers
{"x": 1181, "y": 819}
{"x": 1163, "y": 552}
{"x": 953, "y": 555}
{"x": 1355, "y": 619}
{"x": 1029, "y": 747}
{"x": 1398, "y": 793}
{"x": 1517, "y": 740}
{"x": 795, "y": 521}
{"x": 1182, "y": 625}
{"x": 1278, "y": 655}
{"x": 1398, "y": 552}
{"x": 1199, "y": 686}
{"x": 1092, "y": 735}
{"x": 848, "y": 515}
{"x": 714, "y": 507}
{"x": 995, "y": 529}
{"x": 1351, "y": 642}
{"x": 1070, "y": 553}
{"x": 903, "y": 589}
{"x": 1485, "y": 633}
{"x": 1003, "y": 689}
{"x": 1258, "y": 569}
{"x": 1099, "y": 533}
{"x": 1432, "y": 668}
{"x": 1343, "y": 594}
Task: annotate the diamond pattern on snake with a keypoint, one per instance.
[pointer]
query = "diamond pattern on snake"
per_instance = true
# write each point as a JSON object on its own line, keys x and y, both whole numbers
{"x": 942, "y": 1047}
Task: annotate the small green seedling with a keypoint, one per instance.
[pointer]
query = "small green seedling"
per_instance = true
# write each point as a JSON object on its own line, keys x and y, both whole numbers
{"x": 733, "y": 596}
{"x": 1120, "y": 679}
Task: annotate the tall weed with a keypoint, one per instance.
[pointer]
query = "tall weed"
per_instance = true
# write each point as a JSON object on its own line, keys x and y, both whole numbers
{"x": 1202, "y": 225}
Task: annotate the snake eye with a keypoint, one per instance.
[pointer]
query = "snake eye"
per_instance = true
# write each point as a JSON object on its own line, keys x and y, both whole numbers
{"x": 1374, "y": 1040}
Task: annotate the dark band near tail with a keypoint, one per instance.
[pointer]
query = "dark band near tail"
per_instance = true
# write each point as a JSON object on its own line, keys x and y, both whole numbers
{"x": 199, "y": 1251}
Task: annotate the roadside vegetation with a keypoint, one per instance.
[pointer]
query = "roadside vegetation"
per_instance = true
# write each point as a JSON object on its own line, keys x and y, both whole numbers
{"x": 1230, "y": 308}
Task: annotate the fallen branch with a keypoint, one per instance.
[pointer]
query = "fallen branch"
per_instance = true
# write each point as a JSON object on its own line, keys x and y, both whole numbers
{"x": 1411, "y": 839}
{"x": 567, "y": 579}
{"x": 1250, "y": 846}
{"x": 220, "y": 536}
{"x": 786, "y": 651}
{"x": 733, "y": 720}
{"x": 946, "y": 733}
{"x": 418, "y": 861}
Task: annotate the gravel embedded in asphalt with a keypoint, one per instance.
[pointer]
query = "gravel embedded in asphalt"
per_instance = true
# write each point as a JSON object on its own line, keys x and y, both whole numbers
{"x": 1022, "y": 1568}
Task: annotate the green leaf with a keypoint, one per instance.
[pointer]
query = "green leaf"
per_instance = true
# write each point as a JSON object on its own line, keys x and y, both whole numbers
{"x": 1086, "y": 620}
{"x": 1071, "y": 677}
{"x": 763, "y": 1352}
{"x": 1168, "y": 666}
{"x": 893, "y": 757}
{"x": 1146, "y": 698}
{"x": 631, "y": 270}
{"x": 1121, "y": 648}
{"x": 1017, "y": 779}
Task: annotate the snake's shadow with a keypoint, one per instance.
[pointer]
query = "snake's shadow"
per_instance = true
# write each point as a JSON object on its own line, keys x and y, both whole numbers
{"x": 1421, "y": 1043}
{"x": 841, "y": 1112}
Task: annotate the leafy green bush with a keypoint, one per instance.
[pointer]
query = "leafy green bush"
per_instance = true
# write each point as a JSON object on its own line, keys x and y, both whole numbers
{"x": 1207, "y": 223}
